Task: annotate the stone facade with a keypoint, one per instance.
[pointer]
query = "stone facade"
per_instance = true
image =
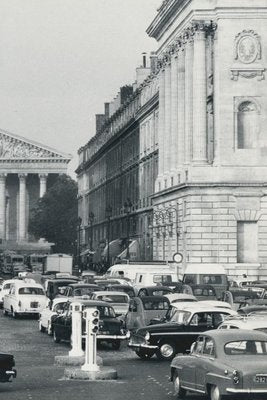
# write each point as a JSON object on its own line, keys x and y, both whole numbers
{"x": 26, "y": 170}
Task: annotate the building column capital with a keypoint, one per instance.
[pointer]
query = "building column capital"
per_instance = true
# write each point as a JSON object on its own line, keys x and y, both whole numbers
{"x": 22, "y": 177}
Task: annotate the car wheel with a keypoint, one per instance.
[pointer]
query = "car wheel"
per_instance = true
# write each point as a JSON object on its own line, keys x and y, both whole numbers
{"x": 144, "y": 354}
{"x": 41, "y": 327}
{"x": 116, "y": 344}
{"x": 166, "y": 351}
{"x": 215, "y": 393}
{"x": 178, "y": 391}
{"x": 55, "y": 337}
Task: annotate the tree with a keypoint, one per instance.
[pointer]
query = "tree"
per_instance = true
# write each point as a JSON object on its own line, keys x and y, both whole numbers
{"x": 55, "y": 216}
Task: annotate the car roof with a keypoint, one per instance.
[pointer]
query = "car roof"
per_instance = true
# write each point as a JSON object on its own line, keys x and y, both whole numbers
{"x": 156, "y": 287}
{"x": 182, "y": 296}
{"x": 111, "y": 293}
{"x": 83, "y": 285}
{"x": 227, "y": 335}
{"x": 90, "y": 303}
{"x": 31, "y": 283}
{"x": 195, "y": 307}
{"x": 152, "y": 298}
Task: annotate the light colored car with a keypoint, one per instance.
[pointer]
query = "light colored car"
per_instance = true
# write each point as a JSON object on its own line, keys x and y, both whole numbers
{"x": 5, "y": 288}
{"x": 53, "y": 307}
{"x": 24, "y": 297}
{"x": 180, "y": 297}
{"x": 118, "y": 300}
{"x": 223, "y": 363}
{"x": 255, "y": 321}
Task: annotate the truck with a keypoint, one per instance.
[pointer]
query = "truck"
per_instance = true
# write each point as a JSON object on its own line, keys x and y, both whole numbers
{"x": 57, "y": 263}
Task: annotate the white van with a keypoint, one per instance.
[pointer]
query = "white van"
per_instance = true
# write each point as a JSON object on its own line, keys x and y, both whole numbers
{"x": 154, "y": 278}
{"x": 207, "y": 274}
{"x": 130, "y": 270}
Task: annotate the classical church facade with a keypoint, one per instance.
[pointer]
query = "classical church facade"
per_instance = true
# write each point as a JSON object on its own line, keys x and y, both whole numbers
{"x": 26, "y": 170}
{"x": 212, "y": 133}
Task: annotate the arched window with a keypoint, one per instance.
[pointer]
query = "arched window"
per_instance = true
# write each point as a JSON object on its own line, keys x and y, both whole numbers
{"x": 247, "y": 125}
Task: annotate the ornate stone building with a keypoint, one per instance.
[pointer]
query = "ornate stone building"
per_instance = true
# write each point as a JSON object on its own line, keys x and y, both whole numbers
{"x": 211, "y": 184}
{"x": 26, "y": 170}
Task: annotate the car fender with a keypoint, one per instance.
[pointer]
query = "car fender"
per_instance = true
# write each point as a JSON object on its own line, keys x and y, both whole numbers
{"x": 218, "y": 379}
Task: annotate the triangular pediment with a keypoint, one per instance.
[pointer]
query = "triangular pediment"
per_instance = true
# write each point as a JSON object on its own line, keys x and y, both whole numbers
{"x": 14, "y": 147}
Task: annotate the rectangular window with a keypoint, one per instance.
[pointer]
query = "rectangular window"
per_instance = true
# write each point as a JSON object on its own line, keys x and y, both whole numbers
{"x": 247, "y": 242}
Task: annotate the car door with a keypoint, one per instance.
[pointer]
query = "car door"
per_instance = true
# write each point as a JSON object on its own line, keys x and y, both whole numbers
{"x": 205, "y": 363}
{"x": 190, "y": 366}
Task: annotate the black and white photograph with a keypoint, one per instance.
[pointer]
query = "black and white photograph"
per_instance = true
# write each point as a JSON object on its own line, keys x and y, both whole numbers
{"x": 133, "y": 199}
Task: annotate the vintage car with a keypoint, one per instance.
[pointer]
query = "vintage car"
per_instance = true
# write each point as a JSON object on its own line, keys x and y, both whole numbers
{"x": 25, "y": 297}
{"x": 223, "y": 363}
{"x": 144, "y": 309}
{"x": 181, "y": 297}
{"x": 243, "y": 297}
{"x": 118, "y": 300}
{"x": 121, "y": 288}
{"x": 177, "y": 335}
{"x": 5, "y": 288}
{"x": 251, "y": 322}
{"x": 53, "y": 307}
{"x": 7, "y": 371}
{"x": 110, "y": 327}
{"x": 79, "y": 289}
{"x": 246, "y": 310}
{"x": 53, "y": 286}
{"x": 154, "y": 291}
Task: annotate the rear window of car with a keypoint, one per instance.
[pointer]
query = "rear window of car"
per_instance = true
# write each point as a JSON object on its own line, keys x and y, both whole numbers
{"x": 162, "y": 278}
{"x": 31, "y": 290}
{"x": 155, "y": 305}
{"x": 246, "y": 347}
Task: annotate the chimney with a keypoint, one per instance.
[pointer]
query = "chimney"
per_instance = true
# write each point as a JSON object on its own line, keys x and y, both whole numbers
{"x": 106, "y": 105}
{"x": 153, "y": 61}
{"x": 99, "y": 122}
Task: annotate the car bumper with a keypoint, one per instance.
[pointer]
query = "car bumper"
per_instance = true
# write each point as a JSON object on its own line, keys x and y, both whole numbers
{"x": 109, "y": 337}
{"x": 246, "y": 391}
{"x": 8, "y": 375}
{"x": 138, "y": 346}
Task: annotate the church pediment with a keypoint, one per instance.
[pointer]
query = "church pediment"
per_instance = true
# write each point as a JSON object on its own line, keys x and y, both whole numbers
{"x": 14, "y": 147}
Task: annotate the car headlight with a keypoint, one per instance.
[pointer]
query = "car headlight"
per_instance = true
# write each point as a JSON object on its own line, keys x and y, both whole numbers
{"x": 147, "y": 336}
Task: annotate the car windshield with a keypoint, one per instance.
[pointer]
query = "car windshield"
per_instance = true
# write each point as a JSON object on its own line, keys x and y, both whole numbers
{"x": 246, "y": 347}
{"x": 113, "y": 298}
{"x": 31, "y": 290}
{"x": 180, "y": 317}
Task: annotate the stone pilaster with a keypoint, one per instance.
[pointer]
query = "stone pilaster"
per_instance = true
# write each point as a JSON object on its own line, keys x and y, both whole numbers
{"x": 174, "y": 115}
{"x": 3, "y": 206}
{"x": 199, "y": 96}
{"x": 181, "y": 105}
{"x": 188, "y": 98}
{"x": 43, "y": 184}
{"x": 167, "y": 122}
{"x": 161, "y": 125}
{"x": 22, "y": 207}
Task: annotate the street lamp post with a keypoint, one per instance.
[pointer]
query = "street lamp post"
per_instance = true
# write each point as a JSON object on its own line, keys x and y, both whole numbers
{"x": 108, "y": 215}
{"x": 79, "y": 223}
{"x": 127, "y": 209}
{"x": 91, "y": 218}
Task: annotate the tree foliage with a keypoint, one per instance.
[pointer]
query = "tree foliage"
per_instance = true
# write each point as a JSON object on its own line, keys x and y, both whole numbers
{"x": 55, "y": 216}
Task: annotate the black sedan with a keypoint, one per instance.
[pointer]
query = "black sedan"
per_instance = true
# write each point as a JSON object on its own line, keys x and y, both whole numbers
{"x": 7, "y": 371}
{"x": 110, "y": 328}
{"x": 176, "y": 336}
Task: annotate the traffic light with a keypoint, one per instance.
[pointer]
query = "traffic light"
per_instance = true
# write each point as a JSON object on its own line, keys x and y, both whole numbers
{"x": 94, "y": 321}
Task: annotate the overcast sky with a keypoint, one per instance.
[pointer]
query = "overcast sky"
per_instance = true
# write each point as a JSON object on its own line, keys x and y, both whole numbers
{"x": 60, "y": 60}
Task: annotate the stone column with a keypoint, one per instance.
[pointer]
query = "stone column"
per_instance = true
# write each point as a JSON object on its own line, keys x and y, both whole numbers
{"x": 181, "y": 105}
{"x": 167, "y": 132}
{"x": 2, "y": 206}
{"x": 174, "y": 115}
{"x": 199, "y": 96}
{"x": 43, "y": 182}
{"x": 188, "y": 97}
{"x": 161, "y": 124}
{"x": 22, "y": 207}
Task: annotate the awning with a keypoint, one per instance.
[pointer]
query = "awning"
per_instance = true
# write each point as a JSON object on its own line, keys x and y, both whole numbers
{"x": 114, "y": 249}
{"x": 134, "y": 251}
{"x": 86, "y": 252}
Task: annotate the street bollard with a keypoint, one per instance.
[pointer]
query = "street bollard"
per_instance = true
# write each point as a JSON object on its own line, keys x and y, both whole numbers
{"x": 91, "y": 316}
{"x": 76, "y": 350}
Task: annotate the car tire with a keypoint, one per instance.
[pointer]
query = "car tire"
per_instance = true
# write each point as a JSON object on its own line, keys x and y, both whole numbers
{"x": 116, "y": 344}
{"x": 166, "y": 350}
{"x": 179, "y": 392}
{"x": 55, "y": 337}
{"x": 41, "y": 327}
{"x": 215, "y": 393}
{"x": 144, "y": 354}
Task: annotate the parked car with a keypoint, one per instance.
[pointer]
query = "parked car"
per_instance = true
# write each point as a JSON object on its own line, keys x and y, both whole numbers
{"x": 118, "y": 300}
{"x": 5, "y": 288}
{"x": 121, "y": 288}
{"x": 52, "y": 286}
{"x": 176, "y": 336}
{"x": 53, "y": 307}
{"x": 110, "y": 327}
{"x": 181, "y": 297}
{"x": 144, "y": 309}
{"x": 7, "y": 371}
{"x": 255, "y": 308}
{"x": 154, "y": 291}
{"x": 79, "y": 290}
{"x": 25, "y": 297}
{"x": 251, "y": 322}
{"x": 223, "y": 363}
{"x": 242, "y": 297}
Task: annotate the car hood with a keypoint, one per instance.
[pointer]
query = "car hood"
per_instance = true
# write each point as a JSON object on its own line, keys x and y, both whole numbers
{"x": 166, "y": 327}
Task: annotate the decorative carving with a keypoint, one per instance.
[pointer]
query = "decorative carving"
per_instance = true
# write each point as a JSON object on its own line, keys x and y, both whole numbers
{"x": 11, "y": 148}
{"x": 247, "y": 53}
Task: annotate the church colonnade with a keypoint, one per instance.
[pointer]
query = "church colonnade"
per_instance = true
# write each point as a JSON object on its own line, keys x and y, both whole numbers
{"x": 22, "y": 202}
{"x": 183, "y": 80}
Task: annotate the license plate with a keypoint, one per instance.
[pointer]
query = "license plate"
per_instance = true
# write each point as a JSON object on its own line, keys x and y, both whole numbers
{"x": 260, "y": 379}
{"x": 34, "y": 304}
